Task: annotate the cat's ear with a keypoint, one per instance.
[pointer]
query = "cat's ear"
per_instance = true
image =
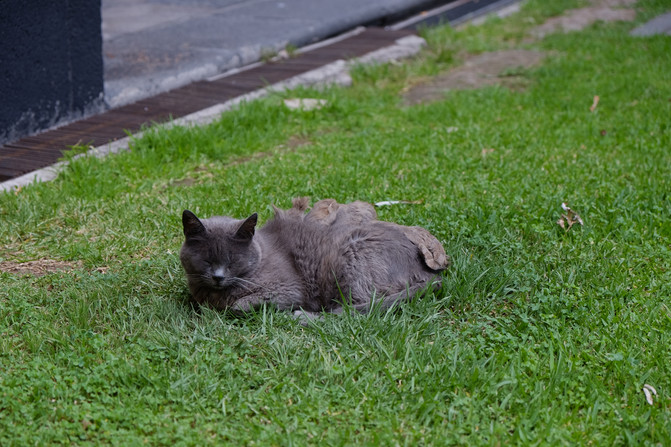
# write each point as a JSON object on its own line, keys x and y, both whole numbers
{"x": 192, "y": 225}
{"x": 246, "y": 229}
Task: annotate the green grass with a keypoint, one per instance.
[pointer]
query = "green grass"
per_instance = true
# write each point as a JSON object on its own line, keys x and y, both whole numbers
{"x": 539, "y": 336}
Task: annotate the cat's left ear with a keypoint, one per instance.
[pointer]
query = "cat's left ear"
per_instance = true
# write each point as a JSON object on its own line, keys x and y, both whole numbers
{"x": 246, "y": 229}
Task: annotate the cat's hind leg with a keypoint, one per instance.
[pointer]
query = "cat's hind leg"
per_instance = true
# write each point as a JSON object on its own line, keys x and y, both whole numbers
{"x": 385, "y": 302}
{"x": 381, "y": 303}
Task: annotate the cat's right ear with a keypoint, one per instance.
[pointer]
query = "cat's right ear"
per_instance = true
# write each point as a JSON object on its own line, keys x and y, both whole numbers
{"x": 192, "y": 225}
{"x": 246, "y": 230}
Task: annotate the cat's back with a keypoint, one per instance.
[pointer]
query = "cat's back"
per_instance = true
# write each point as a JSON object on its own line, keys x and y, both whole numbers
{"x": 330, "y": 230}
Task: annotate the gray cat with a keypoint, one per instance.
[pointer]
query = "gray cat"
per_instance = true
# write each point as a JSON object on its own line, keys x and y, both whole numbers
{"x": 310, "y": 262}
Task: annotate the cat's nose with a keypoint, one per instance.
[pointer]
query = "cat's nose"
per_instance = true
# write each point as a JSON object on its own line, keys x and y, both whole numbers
{"x": 218, "y": 278}
{"x": 218, "y": 275}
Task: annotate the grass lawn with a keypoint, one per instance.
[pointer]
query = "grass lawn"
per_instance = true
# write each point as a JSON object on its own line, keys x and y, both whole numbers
{"x": 539, "y": 335}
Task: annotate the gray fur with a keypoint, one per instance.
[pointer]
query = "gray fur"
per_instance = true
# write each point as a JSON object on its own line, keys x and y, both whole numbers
{"x": 310, "y": 262}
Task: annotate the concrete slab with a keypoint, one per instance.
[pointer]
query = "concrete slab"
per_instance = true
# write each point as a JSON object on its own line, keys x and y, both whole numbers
{"x": 658, "y": 25}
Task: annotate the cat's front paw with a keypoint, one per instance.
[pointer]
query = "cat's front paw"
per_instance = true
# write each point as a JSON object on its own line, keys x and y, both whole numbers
{"x": 305, "y": 317}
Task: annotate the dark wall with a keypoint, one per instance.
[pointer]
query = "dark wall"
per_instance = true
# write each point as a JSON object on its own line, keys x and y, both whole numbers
{"x": 51, "y": 67}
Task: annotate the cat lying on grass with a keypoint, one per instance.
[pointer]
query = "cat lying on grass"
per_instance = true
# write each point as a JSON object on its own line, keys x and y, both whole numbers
{"x": 309, "y": 262}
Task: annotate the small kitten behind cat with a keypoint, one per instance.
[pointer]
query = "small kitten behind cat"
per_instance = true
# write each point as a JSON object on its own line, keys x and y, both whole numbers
{"x": 308, "y": 262}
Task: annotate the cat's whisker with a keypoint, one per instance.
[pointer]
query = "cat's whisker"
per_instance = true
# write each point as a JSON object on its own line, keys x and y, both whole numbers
{"x": 197, "y": 275}
{"x": 247, "y": 283}
{"x": 232, "y": 281}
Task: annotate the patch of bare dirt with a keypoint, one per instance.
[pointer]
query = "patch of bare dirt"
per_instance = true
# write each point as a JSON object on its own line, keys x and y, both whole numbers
{"x": 296, "y": 141}
{"x": 577, "y": 19}
{"x": 187, "y": 181}
{"x": 292, "y": 144}
{"x": 247, "y": 158}
{"x": 38, "y": 267}
{"x": 494, "y": 68}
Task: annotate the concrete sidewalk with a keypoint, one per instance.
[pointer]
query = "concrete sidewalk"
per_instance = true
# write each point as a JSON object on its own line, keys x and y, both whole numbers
{"x": 659, "y": 25}
{"x": 150, "y": 46}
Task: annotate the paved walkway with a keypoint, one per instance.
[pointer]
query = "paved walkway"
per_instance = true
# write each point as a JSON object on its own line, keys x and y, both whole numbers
{"x": 150, "y": 46}
{"x": 658, "y": 25}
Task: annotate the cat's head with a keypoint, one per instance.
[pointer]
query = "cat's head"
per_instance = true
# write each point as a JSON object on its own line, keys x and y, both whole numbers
{"x": 219, "y": 252}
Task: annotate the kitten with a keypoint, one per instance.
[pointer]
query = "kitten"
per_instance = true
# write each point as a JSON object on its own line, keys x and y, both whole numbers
{"x": 308, "y": 262}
